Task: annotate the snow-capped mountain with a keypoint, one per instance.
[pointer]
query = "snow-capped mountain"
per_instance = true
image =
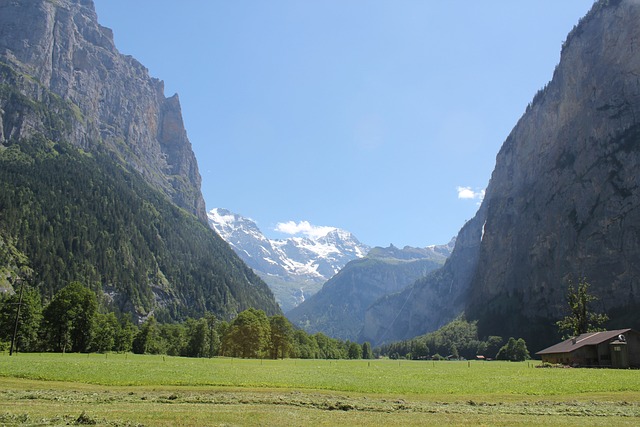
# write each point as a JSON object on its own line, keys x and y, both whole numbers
{"x": 294, "y": 268}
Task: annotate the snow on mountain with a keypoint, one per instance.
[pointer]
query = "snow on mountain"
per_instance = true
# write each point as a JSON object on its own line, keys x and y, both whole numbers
{"x": 294, "y": 268}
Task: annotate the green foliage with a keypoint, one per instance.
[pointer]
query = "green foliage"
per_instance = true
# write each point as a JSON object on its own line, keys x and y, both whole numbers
{"x": 514, "y": 350}
{"x": 125, "y": 336}
{"x": 354, "y": 351}
{"x": 71, "y": 322}
{"x": 148, "y": 339}
{"x": 281, "y": 336}
{"x": 581, "y": 319}
{"x": 28, "y": 321}
{"x": 68, "y": 319}
{"x": 116, "y": 234}
{"x": 173, "y": 340}
{"x": 105, "y": 332}
{"x": 197, "y": 336}
{"x": 305, "y": 346}
{"x": 366, "y": 351}
{"x": 459, "y": 338}
{"x": 328, "y": 348}
{"x": 248, "y": 335}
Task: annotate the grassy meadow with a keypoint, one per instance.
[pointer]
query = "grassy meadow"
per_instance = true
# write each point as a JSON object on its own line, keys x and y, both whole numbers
{"x": 126, "y": 389}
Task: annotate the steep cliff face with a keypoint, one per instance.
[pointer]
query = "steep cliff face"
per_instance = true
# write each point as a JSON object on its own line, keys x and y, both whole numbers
{"x": 58, "y": 47}
{"x": 563, "y": 202}
{"x": 98, "y": 182}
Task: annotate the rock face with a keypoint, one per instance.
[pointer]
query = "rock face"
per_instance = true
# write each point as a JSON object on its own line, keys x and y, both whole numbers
{"x": 59, "y": 47}
{"x": 98, "y": 181}
{"x": 338, "y": 309}
{"x": 563, "y": 201}
{"x": 294, "y": 268}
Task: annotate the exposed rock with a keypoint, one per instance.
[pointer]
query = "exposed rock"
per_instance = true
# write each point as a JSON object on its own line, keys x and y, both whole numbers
{"x": 99, "y": 183}
{"x": 58, "y": 46}
{"x": 563, "y": 202}
{"x": 294, "y": 268}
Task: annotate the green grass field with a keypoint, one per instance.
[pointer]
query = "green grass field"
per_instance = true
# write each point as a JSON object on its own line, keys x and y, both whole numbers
{"x": 55, "y": 389}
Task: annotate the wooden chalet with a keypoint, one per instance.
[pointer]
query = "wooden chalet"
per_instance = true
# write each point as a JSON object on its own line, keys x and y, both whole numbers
{"x": 607, "y": 349}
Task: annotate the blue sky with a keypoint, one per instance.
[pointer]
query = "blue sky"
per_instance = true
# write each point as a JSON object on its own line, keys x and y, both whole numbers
{"x": 383, "y": 118}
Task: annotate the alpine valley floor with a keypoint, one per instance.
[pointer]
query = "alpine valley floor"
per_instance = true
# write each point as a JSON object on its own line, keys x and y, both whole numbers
{"x": 124, "y": 389}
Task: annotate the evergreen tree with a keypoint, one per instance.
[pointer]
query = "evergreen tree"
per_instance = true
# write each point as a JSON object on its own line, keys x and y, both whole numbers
{"x": 366, "y": 350}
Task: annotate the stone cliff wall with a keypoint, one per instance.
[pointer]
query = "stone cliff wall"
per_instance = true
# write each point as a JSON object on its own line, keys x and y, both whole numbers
{"x": 563, "y": 203}
{"x": 59, "y": 47}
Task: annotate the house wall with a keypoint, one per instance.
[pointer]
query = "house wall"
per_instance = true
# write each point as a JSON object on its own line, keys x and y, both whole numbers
{"x": 604, "y": 353}
{"x": 633, "y": 347}
{"x": 584, "y": 356}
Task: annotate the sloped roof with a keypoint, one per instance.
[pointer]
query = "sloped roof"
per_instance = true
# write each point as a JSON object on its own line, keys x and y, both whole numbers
{"x": 590, "y": 338}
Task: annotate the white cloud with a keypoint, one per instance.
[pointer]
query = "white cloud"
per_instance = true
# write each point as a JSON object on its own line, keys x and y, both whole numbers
{"x": 303, "y": 228}
{"x": 469, "y": 194}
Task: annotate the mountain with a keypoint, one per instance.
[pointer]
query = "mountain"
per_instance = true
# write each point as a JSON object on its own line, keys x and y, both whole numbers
{"x": 98, "y": 181}
{"x": 338, "y": 309}
{"x": 294, "y": 268}
{"x": 563, "y": 203}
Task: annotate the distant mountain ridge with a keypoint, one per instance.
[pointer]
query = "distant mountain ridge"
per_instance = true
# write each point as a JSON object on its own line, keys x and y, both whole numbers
{"x": 294, "y": 268}
{"x": 339, "y": 308}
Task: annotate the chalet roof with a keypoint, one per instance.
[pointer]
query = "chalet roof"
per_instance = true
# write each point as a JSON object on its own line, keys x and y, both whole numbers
{"x": 589, "y": 338}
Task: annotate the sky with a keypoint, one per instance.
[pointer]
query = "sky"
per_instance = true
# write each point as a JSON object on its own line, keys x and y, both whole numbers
{"x": 382, "y": 118}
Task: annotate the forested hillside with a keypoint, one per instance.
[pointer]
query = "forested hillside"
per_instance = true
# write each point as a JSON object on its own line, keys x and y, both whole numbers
{"x": 98, "y": 181}
{"x": 83, "y": 217}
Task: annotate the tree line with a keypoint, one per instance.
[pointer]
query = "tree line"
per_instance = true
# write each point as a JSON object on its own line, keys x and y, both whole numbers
{"x": 455, "y": 340}
{"x": 74, "y": 321}
{"x": 116, "y": 234}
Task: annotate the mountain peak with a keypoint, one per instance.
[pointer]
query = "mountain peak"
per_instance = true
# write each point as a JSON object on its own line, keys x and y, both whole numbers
{"x": 294, "y": 267}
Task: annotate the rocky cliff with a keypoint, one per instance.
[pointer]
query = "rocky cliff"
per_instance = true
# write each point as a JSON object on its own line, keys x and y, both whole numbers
{"x": 563, "y": 201}
{"x": 98, "y": 182}
{"x": 58, "y": 47}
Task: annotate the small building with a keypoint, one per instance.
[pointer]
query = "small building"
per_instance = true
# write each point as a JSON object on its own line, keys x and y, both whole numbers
{"x": 607, "y": 349}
